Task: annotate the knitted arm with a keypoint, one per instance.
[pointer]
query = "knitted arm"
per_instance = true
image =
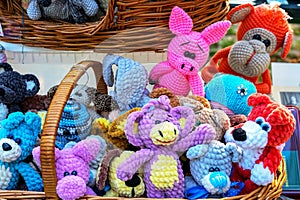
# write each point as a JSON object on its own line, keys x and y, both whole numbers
{"x": 265, "y": 86}
{"x": 202, "y": 135}
{"x": 211, "y": 68}
{"x": 159, "y": 70}
{"x": 129, "y": 167}
{"x": 266, "y": 166}
{"x": 196, "y": 85}
{"x": 31, "y": 177}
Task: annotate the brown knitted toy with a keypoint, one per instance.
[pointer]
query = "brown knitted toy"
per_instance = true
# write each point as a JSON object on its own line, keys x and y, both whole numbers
{"x": 114, "y": 131}
{"x": 155, "y": 93}
{"x": 35, "y": 103}
{"x": 263, "y": 29}
{"x": 205, "y": 115}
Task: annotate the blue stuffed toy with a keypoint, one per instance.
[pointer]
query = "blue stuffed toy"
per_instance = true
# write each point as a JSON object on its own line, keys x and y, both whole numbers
{"x": 18, "y": 137}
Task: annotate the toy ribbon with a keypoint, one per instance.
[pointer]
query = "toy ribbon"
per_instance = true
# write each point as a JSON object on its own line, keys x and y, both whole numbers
{"x": 199, "y": 192}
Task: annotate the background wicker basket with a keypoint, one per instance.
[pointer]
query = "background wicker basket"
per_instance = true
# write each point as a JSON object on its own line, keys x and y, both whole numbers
{"x": 129, "y": 25}
{"x": 271, "y": 191}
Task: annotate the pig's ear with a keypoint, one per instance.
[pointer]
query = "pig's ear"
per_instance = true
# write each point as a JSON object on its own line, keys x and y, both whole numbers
{"x": 180, "y": 22}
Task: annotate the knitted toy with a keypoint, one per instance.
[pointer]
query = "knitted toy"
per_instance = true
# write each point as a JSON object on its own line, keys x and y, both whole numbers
{"x": 134, "y": 187}
{"x": 75, "y": 124}
{"x": 217, "y": 118}
{"x": 72, "y": 168}
{"x": 114, "y": 131}
{"x": 211, "y": 166}
{"x": 17, "y": 140}
{"x": 161, "y": 132}
{"x": 130, "y": 82}
{"x": 187, "y": 53}
{"x": 157, "y": 92}
{"x": 262, "y": 31}
{"x": 14, "y": 88}
{"x": 36, "y": 103}
{"x": 229, "y": 93}
{"x": 261, "y": 157}
{"x": 73, "y": 11}
{"x": 3, "y": 112}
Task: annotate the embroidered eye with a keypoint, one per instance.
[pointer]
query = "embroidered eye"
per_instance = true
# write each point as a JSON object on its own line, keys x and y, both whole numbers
{"x": 74, "y": 173}
{"x": 66, "y": 174}
{"x": 267, "y": 42}
{"x": 10, "y": 137}
{"x": 256, "y": 37}
{"x": 175, "y": 132}
{"x": 242, "y": 90}
{"x": 211, "y": 169}
{"x": 259, "y": 120}
{"x": 18, "y": 141}
{"x": 266, "y": 127}
{"x": 160, "y": 133}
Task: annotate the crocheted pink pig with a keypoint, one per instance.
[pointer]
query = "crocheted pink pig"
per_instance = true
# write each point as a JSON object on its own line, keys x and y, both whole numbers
{"x": 72, "y": 168}
{"x": 187, "y": 53}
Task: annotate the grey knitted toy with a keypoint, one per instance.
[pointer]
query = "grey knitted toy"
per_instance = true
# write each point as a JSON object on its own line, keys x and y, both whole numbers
{"x": 211, "y": 166}
{"x": 73, "y": 11}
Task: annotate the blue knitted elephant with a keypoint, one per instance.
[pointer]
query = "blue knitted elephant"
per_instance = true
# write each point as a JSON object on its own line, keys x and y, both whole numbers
{"x": 17, "y": 139}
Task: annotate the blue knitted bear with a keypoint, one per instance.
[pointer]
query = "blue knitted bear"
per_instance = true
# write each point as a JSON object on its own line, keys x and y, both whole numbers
{"x": 17, "y": 139}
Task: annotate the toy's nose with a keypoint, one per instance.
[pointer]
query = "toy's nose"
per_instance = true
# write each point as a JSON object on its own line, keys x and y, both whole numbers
{"x": 2, "y": 92}
{"x": 135, "y": 181}
{"x": 239, "y": 134}
{"x": 6, "y": 147}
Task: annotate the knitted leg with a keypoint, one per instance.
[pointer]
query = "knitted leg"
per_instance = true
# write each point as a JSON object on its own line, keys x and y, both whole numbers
{"x": 153, "y": 192}
{"x": 177, "y": 191}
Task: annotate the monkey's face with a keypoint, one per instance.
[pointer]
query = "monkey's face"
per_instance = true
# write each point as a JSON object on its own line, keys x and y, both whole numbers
{"x": 251, "y": 55}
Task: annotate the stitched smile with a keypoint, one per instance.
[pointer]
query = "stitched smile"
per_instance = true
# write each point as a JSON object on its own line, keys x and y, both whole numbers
{"x": 165, "y": 142}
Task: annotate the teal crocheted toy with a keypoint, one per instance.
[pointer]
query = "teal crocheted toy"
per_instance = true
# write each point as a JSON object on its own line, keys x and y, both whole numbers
{"x": 17, "y": 139}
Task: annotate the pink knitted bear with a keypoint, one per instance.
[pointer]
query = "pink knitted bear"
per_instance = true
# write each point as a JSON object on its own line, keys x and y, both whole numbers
{"x": 72, "y": 168}
{"x": 187, "y": 53}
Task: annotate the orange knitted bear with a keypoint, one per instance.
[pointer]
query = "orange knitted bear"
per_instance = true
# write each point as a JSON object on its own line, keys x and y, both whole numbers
{"x": 258, "y": 166}
{"x": 263, "y": 29}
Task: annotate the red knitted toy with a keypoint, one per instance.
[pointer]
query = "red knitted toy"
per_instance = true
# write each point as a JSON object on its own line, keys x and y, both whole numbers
{"x": 263, "y": 29}
{"x": 261, "y": 155}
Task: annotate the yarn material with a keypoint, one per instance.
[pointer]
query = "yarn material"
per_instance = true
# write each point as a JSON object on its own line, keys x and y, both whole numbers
{"x": 207, "y": 161}
{"x": 231, "y": 92}
{"x": 35, "y": 103}
{"x": 187, "y": 53}
{"x": 130, "y": 80}
{"x": 161, "y": 132}
{"x": 3, "y": 112}
{"x": 72, "y": 167}
{"x": 155, "y": 93}
{"x": 18, "y": 136}
{"x": 75, "y": 124}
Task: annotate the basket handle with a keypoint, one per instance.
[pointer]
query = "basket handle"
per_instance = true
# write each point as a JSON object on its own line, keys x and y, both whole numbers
{"x": 54, "y": 113}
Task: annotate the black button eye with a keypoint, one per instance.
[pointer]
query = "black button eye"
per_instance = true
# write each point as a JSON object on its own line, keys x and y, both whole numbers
{"x": 157, "y": 121}
{"x": 66, "y": 132}
{"x": 256, "y": 37}
{"x": 267, "y": 42}
{"x": 259, "y": 120}
{"x": 66, "y": 174}
{"x": 186, "y": 54}
{"x": 10, "y": 137}
{"x": 74, "y": 173}
{"x": 211, "y": 169}
{"x": 192, "y": 56}
{"x": 18, "y": 140}
{"x": 77, "y": 131}
{"x": 217, "y": 169}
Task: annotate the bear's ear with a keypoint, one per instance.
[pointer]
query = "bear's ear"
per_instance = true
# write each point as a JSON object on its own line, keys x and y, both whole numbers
{"x": 197, "y": 151}
{"x": 34, "y": 121}
{"x": 32, "y": 85}
{"x": 87, "y": 149}
{"x": 13, "y": 120}
{"x": 180, "y": 22}
{"x": 239, "y": 13}
{"x": 287, "y": 44}
{"x": 258, "y": 99}
{"x": 5, "y": 67}
{"x": 51, "y": 92}
{"x": 36, "y": 153}
{"x": 186, "y": 117}
{"x": 131, "y": 128}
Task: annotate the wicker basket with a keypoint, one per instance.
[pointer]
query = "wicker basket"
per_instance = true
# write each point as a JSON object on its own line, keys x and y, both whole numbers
{"x": 129, "y": 25}
{"x": 271, "y": 191}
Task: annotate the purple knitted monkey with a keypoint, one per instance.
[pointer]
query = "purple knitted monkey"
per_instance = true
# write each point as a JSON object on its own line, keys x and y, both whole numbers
{"x": 187, "y": 53}
{"x": 161, "y": 132}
